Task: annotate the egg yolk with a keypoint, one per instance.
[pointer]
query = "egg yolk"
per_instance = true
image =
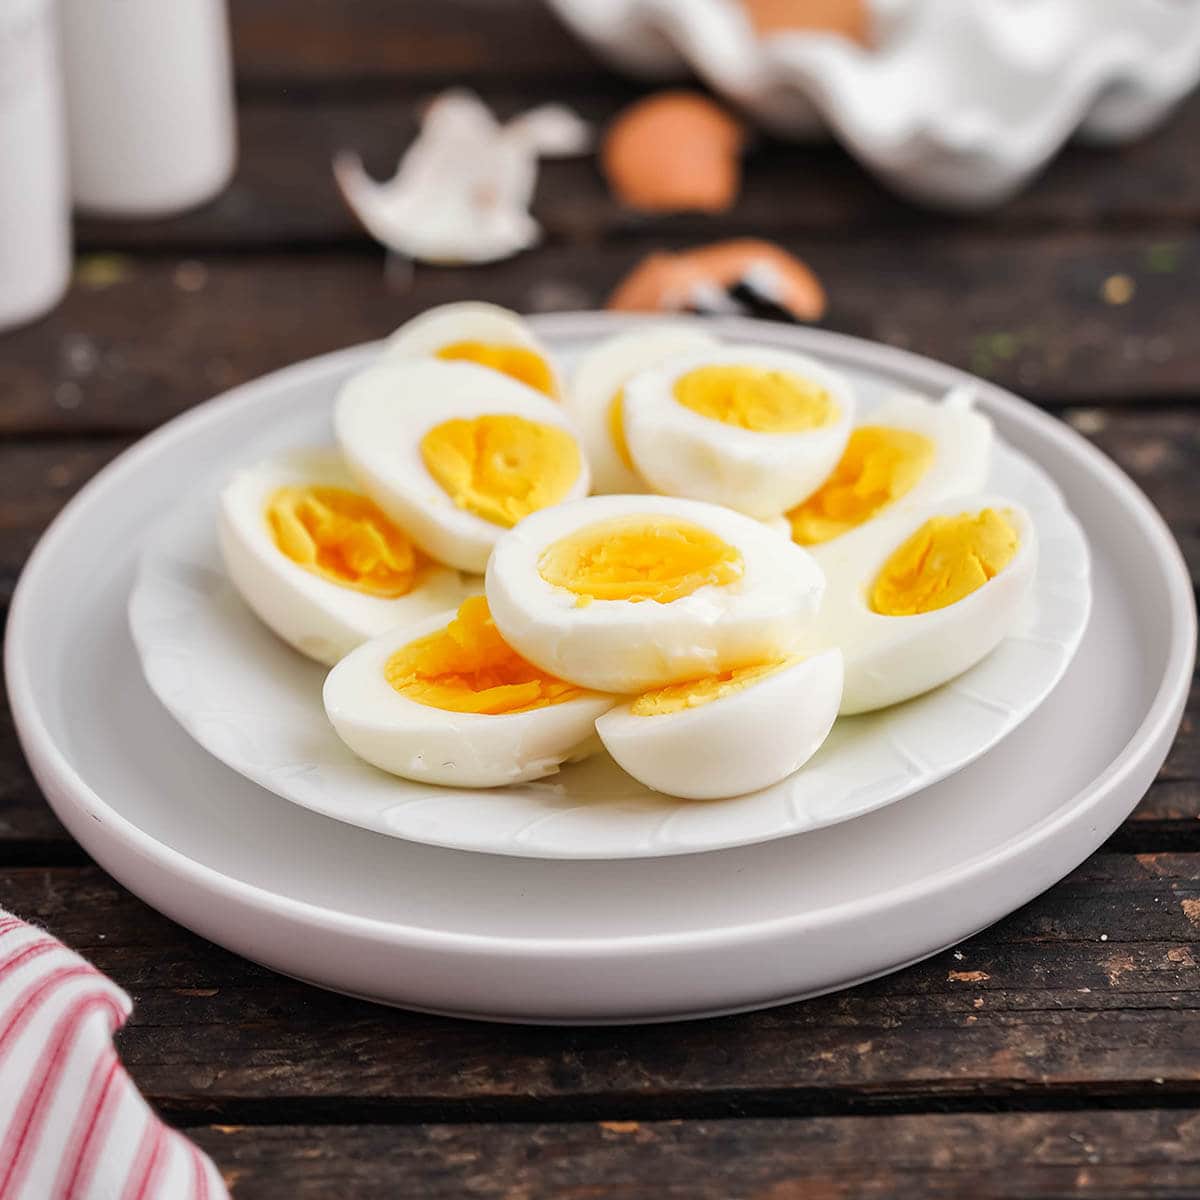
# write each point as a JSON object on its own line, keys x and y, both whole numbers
{"x": 946, "y": 559}
{"x": 762, "y": 401}
{"x": 639, "y": 558}
{"x": 502, "y": 467}
{"x": 341, "y": 536}
{"x": 519, "y": 362}
{"x": 692, "y": 693}
{"x": 469, "y": 668}
{"x": 878, "y": 466}
{"x": 616, "y": 428}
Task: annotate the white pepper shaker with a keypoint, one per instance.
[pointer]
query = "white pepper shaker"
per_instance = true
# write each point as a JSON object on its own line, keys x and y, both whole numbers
{"x": 35, "y": 219}
{"x": 150, "y": 114}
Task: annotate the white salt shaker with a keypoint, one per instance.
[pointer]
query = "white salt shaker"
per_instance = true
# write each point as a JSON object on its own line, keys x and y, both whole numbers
{"x": 35, "y": 230}
{"x": 150, "y": 114}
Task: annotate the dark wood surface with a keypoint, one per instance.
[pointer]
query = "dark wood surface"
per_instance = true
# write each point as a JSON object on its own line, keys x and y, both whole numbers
{"x": 1056, "y": 1054}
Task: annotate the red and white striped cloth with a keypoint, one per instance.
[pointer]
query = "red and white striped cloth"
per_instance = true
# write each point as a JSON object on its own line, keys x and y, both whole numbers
{"x": 72, "y": 1124}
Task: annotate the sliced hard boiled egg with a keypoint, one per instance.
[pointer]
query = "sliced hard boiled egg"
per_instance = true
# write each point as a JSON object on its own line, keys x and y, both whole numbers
{"x": 727, "y": 734}
{"x": 485, "y": 334}
{"x": 752, "y": 428}
{"x": 909, "y": 451}
{"x": 447, "y": 701}
{"x": 456, "y": 453}
{"x": 318, "y": 561}
{"x": 628, "y": 593}
{"x": 595, "y": 396}
{"x": 918, "y": 596}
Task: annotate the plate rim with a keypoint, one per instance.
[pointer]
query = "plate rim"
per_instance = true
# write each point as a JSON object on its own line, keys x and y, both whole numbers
{"x": 68, "y": 793}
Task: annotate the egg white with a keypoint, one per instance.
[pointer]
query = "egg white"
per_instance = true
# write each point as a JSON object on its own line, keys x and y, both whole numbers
{"x": 380, "y": 417}
{"x": 602, "y": 372}
{"x": 464, "y": 321}
{"x": 433, "y": 745}
{"x": 893, "y": 658}
{"x": 318, "y": 617}
{"x": 626, "y": 646}
{"x": 962, "y": 440}
{"x": 740, "y": 742}
{"x": 682, "y": 453}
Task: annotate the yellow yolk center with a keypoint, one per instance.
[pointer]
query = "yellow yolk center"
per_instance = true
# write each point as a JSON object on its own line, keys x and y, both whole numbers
{"x": 469, "y": 668}
{"x": 946, "y": 559}
{"x": 616, "y": 428}
{"x": 341, "y": 536}
{"x": 878, "y": 466}
{"x": 692, "y": 693}
{"x": 519, "y": 362}
{"x": 752, "y": 398}
{"x": 501, "y": 468}
{"x": 639, "y": 558}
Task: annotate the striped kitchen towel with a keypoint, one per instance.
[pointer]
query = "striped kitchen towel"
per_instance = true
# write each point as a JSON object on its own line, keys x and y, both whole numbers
{"x": 71, "y": 1122}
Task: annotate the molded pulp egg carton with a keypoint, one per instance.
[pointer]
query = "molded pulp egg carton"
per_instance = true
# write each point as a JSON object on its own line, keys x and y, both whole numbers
{"x": 958, "y": 103}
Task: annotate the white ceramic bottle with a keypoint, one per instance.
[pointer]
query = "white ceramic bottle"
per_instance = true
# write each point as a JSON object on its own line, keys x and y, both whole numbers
{"x": 35, "y": 230}
{"x": 150, "y": 114}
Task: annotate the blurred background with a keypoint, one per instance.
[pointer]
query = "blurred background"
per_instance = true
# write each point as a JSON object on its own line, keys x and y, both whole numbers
{"x": 1079, "y": 291}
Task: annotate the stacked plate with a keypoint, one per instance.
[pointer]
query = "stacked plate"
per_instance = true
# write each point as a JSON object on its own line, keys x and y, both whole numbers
{"x": 193, "y": 760}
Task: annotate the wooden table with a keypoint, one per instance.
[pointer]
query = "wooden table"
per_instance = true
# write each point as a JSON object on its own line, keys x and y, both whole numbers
{"x": 1057, "y": 1053}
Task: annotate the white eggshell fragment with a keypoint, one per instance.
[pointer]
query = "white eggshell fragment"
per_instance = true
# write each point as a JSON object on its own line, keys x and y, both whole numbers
{"x": 462, "y": 190}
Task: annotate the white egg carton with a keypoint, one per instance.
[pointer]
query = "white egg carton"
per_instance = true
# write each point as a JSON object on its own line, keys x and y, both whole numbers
{"x": 959, "y": 103}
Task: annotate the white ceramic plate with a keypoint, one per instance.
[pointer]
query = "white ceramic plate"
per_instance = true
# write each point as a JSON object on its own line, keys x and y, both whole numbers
{"x": 651, "y": 939}
{"x": 255, "y": 704}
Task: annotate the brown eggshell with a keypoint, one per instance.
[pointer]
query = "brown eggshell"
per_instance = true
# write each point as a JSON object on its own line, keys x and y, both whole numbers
{"x": 850, "y": 18}
{"x": 671, "y": 282}
{"x": 674, "y": 151}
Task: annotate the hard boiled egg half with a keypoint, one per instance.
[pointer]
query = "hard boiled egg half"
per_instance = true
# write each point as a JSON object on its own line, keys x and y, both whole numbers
{"x": 595, "y": 398}
{"x": 484, "y": 334}
{"x": 456, "y": 453}
{"x": 909, "y": 451}
{"x": 722, "y": 735}
{"x": 318, "y": 561}
{"x": 916, "y": 597}
{"x": 755, "y": 429}
{"x": 629, "y": 593}
{"x": 448, "y": 701}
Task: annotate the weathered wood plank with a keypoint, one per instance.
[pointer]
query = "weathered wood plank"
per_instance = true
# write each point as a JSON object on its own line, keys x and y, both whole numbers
{"x": 281, "y": 43}
{"x": 36, "y": 480}
{"x": 283, "y": 193}
{"x": 140, "y": 339}
{"x": 1093, "y": 990}
{"x": 927, "y": 1157}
